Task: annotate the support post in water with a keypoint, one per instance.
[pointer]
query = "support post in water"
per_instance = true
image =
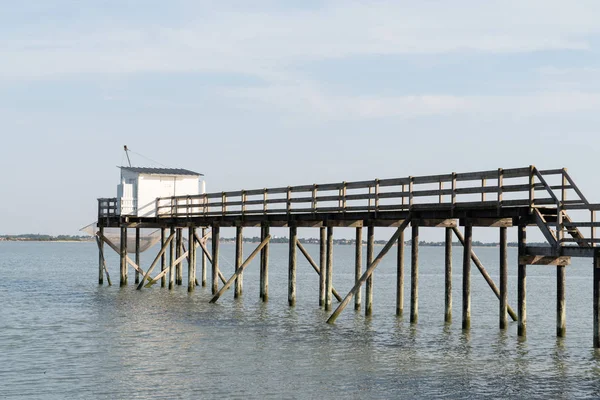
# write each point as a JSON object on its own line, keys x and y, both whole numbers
{"x": 215, "y": 258}
{"x": 178, "y": 268}
{"x": 448, "y": 276}
{"x": 522, "y": 285}
{"x": 172, "y": 261}
{"x": 466, "y": 289}
{"x": 358, "y": 265}
{"x": 561, "y": 313}
{"x": 368, "y": 272}
{"x": 264, "y": 261}
{"x": 400, "y": 276}
{"x": 292, "y": 266}
{"x": 163, "y": 257}
{"x": 369, "y": 282}
{"x": 414, "y": 274}
{"x": 329, "y": 269}
{"x": 192, "y": 259}
{"x": 100, "y": 256}
{"x": 123, "y": 256}
{"x": 204, "y": 264}
{"x": 239, "y": 255}
{"x": 503, "y": 278}
{"x": 596, "y": 291}
{"x": 322, "y": 264}
{"x": 137, "y": 253}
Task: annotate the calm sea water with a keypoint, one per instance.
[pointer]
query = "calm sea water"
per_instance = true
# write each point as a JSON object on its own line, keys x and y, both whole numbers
{"x": 63, "y": 336}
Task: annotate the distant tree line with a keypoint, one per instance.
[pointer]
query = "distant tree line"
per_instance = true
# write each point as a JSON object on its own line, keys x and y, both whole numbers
{"x": 33, "y": 237}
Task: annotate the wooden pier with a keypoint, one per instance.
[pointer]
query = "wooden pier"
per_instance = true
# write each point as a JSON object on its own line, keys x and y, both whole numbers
{"x": 519, "y": 198}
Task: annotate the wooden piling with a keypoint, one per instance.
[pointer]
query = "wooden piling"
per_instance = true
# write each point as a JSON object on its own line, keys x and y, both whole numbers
{"x": 503, "y": 278}
{"x": 322, "y": 264}
{"x": 163, "y": 257}
{"x": 123, "y": 256}
{"x": 358, "y": 265}
{"x": 204, "y": 264}
{"x": 215, "y": 258}
{"x": 239, "y": 256}
{"x": 137, "y": 254}
{"x": 596, "y": 291}
{"x": 400, "y": 276}
{"x": 192, "y": 259}
{"x": 329, "y": 269}
{"x": 414, "y": 274}
{"x": 100, "y": 256}
{"x": 172, "y": 261}
{"x": 522, "y": 285}
{"x": 448, "y": 276}
{"x": 178, "y": 268}
{"x": 264, "y": 268}
{"x": 466, "y": 289}
{"x": 292, "y": 266}
{"x": 561, "y": 312}
{"x": 369, "y": 282}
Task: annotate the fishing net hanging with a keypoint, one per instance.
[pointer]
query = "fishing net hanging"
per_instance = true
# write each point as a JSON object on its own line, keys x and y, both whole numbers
{"x": 148, "y": 237}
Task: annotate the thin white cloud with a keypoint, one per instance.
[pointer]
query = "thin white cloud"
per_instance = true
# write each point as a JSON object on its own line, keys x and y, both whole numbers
{"x": 265, "y": 43}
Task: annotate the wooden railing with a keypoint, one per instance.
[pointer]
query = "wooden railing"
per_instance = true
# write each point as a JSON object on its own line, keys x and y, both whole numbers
{"x": 107, "y": 207}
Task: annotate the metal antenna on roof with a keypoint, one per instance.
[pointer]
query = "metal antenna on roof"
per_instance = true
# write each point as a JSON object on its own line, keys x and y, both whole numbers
{"x": 127, "y": 154}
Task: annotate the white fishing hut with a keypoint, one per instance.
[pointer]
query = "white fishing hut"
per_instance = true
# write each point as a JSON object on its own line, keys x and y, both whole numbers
{"x": 141, "y": 186}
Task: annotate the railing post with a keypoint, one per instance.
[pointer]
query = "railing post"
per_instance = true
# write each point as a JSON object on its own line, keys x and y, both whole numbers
{"x": 314, "y": 198}
{"x": 410, "y": 191}
{"x": 593, "y": 228}
{"x": 288, "y": 202}
{"x": 344, "y": 197}
{"x": 205, "y": 205}
{"x": 441, "y": 198}
{"x": 500, "y": 188}
{"x": 223, "y": 203}
{"x": 370, "y": 199}
{"x": 376, "y": 195}
{"x": 483, "y": 184}
{"x": 559, "y": 211}
{"x": 453, "y": 193}
{"x": 265, "y": 201}
{"x": 531, "y": 187}
{"x": 243, "y": 202}
{"x": 403, "y": 196}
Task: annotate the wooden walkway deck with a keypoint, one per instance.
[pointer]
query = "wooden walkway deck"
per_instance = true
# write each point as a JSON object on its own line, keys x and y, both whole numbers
{"x": 548, "y": 200}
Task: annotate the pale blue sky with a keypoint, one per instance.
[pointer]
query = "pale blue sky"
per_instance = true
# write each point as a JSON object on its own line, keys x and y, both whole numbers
{"x": 263, "y": 93}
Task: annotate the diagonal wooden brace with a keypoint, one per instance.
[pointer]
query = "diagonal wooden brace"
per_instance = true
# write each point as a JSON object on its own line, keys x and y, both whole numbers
{"x": 103, "y": 260}
{"x": 156, "y": 260}
{"x": 486, "y": 276}
{"x": 240, "y": 269}
{"x": 202, "y": 244}
{"x": 162, "y": 273}
{"x": 369, "y": 271}
{"x": 116, "y": 249}
{"x": 316, "y": 268}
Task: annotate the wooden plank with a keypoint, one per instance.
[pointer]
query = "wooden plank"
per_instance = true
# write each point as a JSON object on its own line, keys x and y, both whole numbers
{"x": 159, "y": 256}
{"x": 240, "y": 269}
{"x": 239, "y": 256}
{"x": 292, "y": 245}
{"x": 522, "y": 285}
{"x": 561, "y": 312}
{"x": 503, "y": 278}
{"x": 329, "y": 269}
{"x": 215, "y": 258}
{"x": 315, "y": 267}
{"x": 399, "y": 276}
{"x": 175, "y": 263}
{"x": 493, "y": 222}
{"x": 368, "y": 272}
{"x": 323, "y": 264}
{"x": 484, "y": 273}
{"x": 438, "y": 222}
{"x": 544, "y": 260}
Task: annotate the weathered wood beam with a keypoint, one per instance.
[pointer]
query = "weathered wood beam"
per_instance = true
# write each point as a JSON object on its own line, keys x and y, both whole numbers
{"x": 368, "y": 272}
{"x": 561, "y": 311}
{"x": 487, "y": 222}
{"x": 202, "y": 244}
{"x": 414, "y": 274}
{"x": 448, "y": 276}
{"x": 544, "y": 260}
{"x": 137, "y": 253}
{"x": 103, "y": 260}
{"x": 175, "y": 263}
{"x": 322, "y": 263}
{"x": 503, "y": 278}
{"x": 522, "y": 285}
{"x": 315, "y": 267}
{"x": 240, "y": 269}
{"x": 400, "y": 276}
{"x": 484, "y": 273}
{"x": 357, "y": 265}
{"x": 126, "y": 258}
{"x": 438, "y": 222}
{"x": 239, "y": 255}
{"x": 100, "y": 257}
{"x": 329, "y": 269}
{"x": 466, "y": 277}
{"x": 292, "y": 244}
{"x": 596, "y": 301}
{"x": 159, "y": 256}
{"x": 369, "y": 282}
